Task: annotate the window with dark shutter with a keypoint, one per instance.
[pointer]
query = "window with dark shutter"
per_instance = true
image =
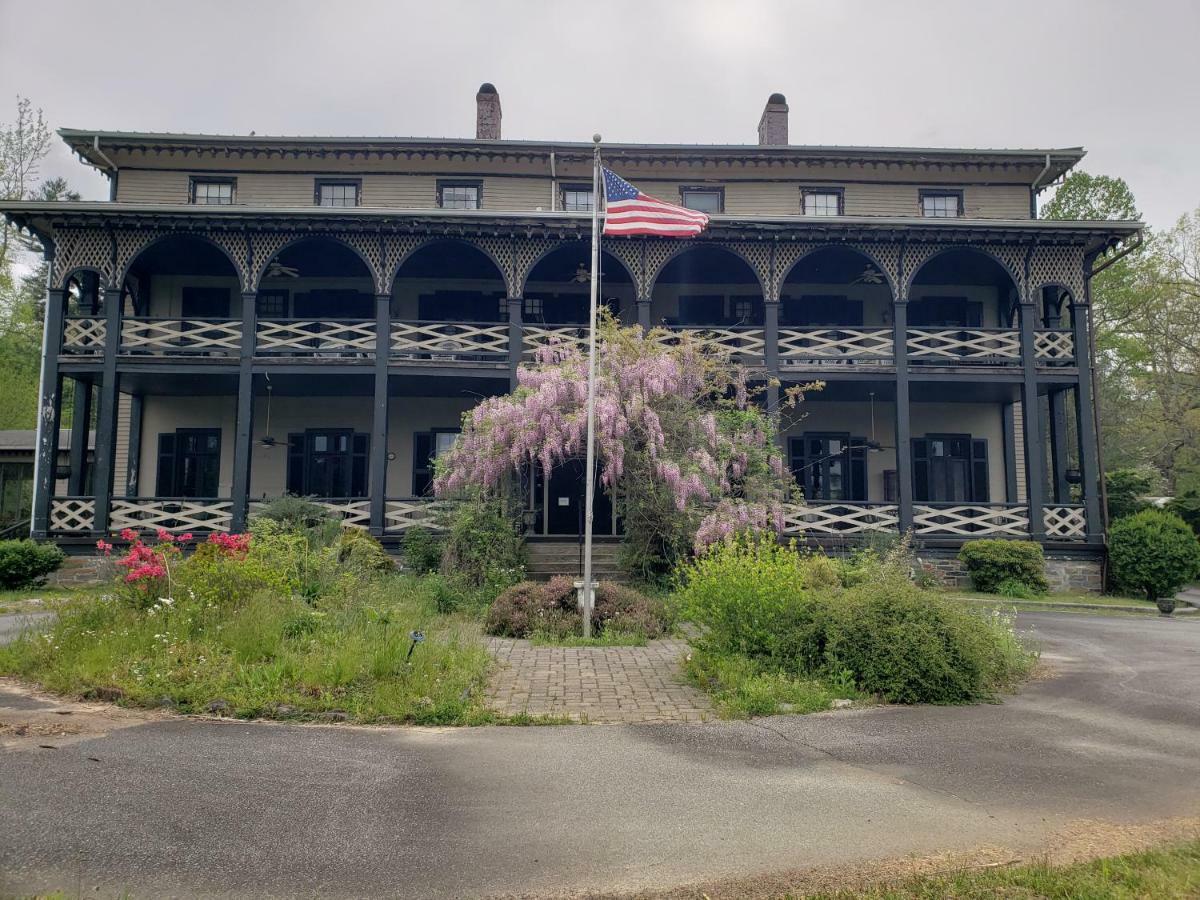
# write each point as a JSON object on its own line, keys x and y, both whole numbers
{"x": 189, "y": 463}
{"x": 920, "y": 470}
{"x": 295, "y": 464}
{"x": 830, "y": 467}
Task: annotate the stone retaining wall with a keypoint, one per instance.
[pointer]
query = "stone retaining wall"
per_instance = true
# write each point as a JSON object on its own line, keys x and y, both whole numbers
{"x": 1063, "y": 573}
{"x": 78, "y": 571}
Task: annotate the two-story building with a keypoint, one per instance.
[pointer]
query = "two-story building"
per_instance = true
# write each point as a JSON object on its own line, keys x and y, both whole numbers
{"x": 251, "y": 316}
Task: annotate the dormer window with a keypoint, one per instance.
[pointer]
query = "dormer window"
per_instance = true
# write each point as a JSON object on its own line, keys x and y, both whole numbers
{"x": 460, "y": 194}
{"x": 703, "y": 199}
{"x": 213, "y": 191}
{"x": 822, "y": 201}
{"x": 941, "y": 204}
{"x": 339, "y": 193}
{"x": 577, "y": 198}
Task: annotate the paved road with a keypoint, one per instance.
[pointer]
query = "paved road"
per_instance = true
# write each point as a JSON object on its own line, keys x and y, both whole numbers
{"x": 176, "y": 806}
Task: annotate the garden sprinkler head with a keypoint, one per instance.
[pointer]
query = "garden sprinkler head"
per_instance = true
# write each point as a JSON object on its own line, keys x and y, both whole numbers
{"x": 417, "y": 637}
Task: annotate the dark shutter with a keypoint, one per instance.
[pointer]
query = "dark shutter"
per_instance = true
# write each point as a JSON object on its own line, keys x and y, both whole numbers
{"x": 920, "y": 470}
{"x": 360, "y": 447}
{"x": 165, "y": 484}
{"x": 980, "y": 483}
{"x": 295, "y": 464}
{"x": 857, "y": 488}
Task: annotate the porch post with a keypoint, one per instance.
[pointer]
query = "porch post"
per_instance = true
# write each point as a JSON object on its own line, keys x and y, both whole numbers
{"x": 81, "y": 418}
{"x": 49, "y": 411}
{"x": 1085, "y": 418}
{"x": 771, "y": 352}
{"x": 244, "y": 421}
{"x": 106, "y": 419}
{"x": 1035, "y": 449}
{"x": 904, "y": 481}
{"x": 379, "y": 419}
{"x": 515, "y": 339}
{"x": 643, "y": 311}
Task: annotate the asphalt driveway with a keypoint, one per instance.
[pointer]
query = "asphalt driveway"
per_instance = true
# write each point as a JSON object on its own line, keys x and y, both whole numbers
{"x": 184, "y": 806}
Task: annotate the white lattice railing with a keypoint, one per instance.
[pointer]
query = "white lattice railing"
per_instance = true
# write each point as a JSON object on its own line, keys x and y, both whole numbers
{"x": 824, "y": 345}
{"x": 71, "y": 514}
{"x": 354, "y": 512}
{"x": 955, "y": 345}
{"x": 839, "y": 518}
{"x": 1054, "y": 346}
{"x": 172, "y": 513}
{"x": 449, "y": 341}
{"x": 329, "y": 337}
{"x": 400, "y": 514}
{"x": 1065, "y": 522}
{"x": 740, "y": 343}
{"x": 535, "y": 336}
{"x": 208, "y": 337}
{"x": 971, "y": 520}
{"x": 83, "y": 335}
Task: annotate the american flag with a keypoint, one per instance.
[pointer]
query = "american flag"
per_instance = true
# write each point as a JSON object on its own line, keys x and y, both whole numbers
{"x": 629, "y": 211}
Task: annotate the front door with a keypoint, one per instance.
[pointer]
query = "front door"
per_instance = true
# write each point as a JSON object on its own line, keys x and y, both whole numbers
{"x": 564, "y": 501}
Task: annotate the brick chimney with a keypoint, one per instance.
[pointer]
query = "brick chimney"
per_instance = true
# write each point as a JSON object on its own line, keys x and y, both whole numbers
{"x": 773, "y": 126}
{"x": 487, "y": 113}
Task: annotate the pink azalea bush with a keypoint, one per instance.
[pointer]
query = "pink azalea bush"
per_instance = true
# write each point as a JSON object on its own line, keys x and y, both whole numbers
{"x": 680, "y": 440}
{"x": 147, "y": 573}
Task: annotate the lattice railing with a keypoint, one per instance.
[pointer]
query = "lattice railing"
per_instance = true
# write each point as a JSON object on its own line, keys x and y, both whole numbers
{"x": 83, "y": 335}
{"x": 535, "y": 336}
{"x": 172, "y": 513}
{"x": 841, "y": 345}
{"x": 971, "y": 520}
{"x": 1067, "y": 523}
{"x": 400, "y": 514}
{"x": 335, "y": 338}
{"x": 355, "y": 513}
{"x": 71, "y": 514}
{"x": 449, "y": 341}
{"x": 1053, "y": 345}
{"x": 958, "y": 345}
{"x": 216, "y": 337}
{"x": 839, "y": 518}
{"x": 739, "y": 343}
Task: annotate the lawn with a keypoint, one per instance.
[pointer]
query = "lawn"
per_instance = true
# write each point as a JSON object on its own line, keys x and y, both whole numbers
{"x": 14, "y": 601}
{"x": 1172, "y": 872}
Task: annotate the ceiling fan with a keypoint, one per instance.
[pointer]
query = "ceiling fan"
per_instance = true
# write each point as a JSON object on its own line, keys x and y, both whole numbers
{"x": 583, "y": 274}
{"x": 278, "y": 270}
{"x": 267, "y": 440}
{"x": 870, "y": 275}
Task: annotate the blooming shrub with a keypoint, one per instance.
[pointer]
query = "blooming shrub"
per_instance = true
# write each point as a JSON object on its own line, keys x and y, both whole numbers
{"x": 483, "y": 546}
{"x": 673, "y": 419}
{"x": 145, "y": 572}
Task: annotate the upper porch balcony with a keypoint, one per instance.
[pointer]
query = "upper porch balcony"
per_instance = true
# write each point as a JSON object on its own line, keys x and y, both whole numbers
{"x": 451, "y": 305}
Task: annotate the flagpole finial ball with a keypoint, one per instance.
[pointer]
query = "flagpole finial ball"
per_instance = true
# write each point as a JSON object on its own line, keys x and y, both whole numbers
{"x": 595, "y": 138}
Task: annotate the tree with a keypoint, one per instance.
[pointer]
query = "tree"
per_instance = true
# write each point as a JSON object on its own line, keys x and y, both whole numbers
{"x": 680, "y": 441}
{"x": 1153, "y": 553}
{"x": 23, "y": 146}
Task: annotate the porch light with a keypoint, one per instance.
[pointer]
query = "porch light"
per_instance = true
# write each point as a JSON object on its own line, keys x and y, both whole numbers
{"x": 1073, "y": 476}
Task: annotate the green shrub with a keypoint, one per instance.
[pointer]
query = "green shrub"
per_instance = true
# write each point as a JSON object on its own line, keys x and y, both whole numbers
{"x": 551, "y": 609}
{"x": 1153, "y": 553}
{"x": 909, "y": 646}
{"x": 1187, "y": 507}
{"x": 1017, "y": 590}
{"x": 358, "y": 552}
{"x": 422, "y": 550}
{"x": 294, "y": 513}
{"x": 1125, "y": 490}
{"x": 26, "y": 563}
{"x": 483, "y": 545}
{"x": 993, "y": 562}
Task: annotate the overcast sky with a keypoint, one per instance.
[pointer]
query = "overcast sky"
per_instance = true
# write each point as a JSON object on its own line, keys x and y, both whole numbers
{"x": 1119, "y": 78}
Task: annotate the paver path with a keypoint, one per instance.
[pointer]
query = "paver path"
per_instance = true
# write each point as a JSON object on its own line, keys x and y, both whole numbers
{"x": 595, "y": 684}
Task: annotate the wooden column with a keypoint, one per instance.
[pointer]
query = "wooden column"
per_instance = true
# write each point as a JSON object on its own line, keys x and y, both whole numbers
{"x": 1086, "y": 419}
{"x": 643, "y": 313}
{"x": 1035, "y": 448}
{"x": 244, "y": 420}
{"x": 379, "y": 415}
{"x": 81, "y": 419}
{"x": 515, "y": 339}
{"x": 904, "y": 479}
{"x": 771, "y": 353}
{"x": 49, "y": 412}
{"x": 106, "y": 417}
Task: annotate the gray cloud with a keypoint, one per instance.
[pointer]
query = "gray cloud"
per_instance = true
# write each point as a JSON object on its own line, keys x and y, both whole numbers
{"x": 1121, "y": 79}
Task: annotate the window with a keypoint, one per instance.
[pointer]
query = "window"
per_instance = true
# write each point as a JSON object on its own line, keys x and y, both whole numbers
{"x": 821, "y": 310}
{"x": 746, "y": 310}
{"x": 204, "y": 303}
{"x": 272, "y": 304}
{"x": 460, "y": 194}
{"x": 327, "y": 462}
{"x": 16, "y": 492}
{"x": 941, "y": 204}
{"x": 337, "y": 193}
{"x": 213, "y": 191}
{"x": 189, "y": 462}
{"x": 950, "y": 468}
{"x": 532, "y": 308}
{"x": 428, "y": 446}
{"x": 703, "y": 199}
{"x": 830, "y": 467}
{"x": 822, "y": 201}
{"x": 577, "y": 198}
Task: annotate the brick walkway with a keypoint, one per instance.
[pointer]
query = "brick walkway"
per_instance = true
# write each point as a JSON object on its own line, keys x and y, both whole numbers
{"x": 595, "y": 684}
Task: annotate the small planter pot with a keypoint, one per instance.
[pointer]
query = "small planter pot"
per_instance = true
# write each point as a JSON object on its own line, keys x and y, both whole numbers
{"x": 1166, "y": 605}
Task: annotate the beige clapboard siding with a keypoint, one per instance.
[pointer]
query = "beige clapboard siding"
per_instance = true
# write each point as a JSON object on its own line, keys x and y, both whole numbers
{"x": 152, "y": 186}
{"x": 399, "y": 191}
{"x": 121, "y": 456}
{"x": 1018, "y": 439}
{"x": 516, "y": 193}
{"x": 996, "y": 201}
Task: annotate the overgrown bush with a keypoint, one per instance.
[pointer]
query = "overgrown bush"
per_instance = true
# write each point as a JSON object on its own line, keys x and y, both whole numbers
{"x": 551, "y": 608}
{"x": 26, "y": 563}
{"x": 301, "y": 516}
{"x": 422, "y": 550}
{"x": 483, "y": 545}
{"x": 991, "y": 563}
{"x": 1153, "y": 553}
{"x": 360, "y": 553}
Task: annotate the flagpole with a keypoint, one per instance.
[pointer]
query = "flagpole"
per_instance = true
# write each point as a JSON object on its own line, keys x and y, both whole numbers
{"x": 589, "y": 600}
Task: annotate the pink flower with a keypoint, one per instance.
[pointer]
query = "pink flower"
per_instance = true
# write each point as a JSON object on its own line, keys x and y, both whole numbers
{"x": 186, "y": 536}
{"x": 128, "y": 534}
{"x": 165, "y": 536}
